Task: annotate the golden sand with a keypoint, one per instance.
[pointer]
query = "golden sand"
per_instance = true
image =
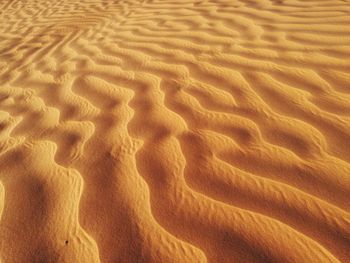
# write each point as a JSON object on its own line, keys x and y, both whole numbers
{"x": 174, "y": 131}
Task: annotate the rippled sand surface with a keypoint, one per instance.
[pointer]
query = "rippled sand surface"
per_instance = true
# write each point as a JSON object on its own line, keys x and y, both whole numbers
{"x": 174, "y": 131}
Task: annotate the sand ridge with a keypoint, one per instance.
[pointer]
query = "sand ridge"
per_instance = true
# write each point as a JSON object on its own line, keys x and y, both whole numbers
{"x": 175, "y": 131}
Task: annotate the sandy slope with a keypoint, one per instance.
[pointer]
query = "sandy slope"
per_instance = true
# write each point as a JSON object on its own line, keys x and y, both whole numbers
{"x": 174, "y": 131}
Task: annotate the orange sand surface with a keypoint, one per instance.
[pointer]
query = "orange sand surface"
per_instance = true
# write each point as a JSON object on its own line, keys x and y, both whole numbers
{"x": 174, "y": 131}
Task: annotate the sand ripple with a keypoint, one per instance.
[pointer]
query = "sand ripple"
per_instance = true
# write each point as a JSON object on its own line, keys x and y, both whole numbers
{"x": 175, "y": 131}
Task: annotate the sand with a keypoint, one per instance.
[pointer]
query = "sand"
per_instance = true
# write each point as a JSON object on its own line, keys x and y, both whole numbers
{"x": 174, "y": 131}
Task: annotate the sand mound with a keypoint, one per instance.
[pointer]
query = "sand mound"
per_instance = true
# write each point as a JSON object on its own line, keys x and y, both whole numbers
{"x": 175, "y": 131}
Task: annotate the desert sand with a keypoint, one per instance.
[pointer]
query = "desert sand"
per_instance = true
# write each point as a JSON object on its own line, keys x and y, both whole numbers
{"x": 174, "y": 131}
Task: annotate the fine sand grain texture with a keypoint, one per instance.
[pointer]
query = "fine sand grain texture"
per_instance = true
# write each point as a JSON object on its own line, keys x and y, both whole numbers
{"x": 179, "y": 131}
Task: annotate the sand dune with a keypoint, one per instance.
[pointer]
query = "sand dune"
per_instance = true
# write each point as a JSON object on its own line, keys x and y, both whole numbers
{"x": 175, "y": 131}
